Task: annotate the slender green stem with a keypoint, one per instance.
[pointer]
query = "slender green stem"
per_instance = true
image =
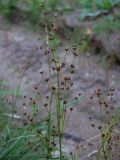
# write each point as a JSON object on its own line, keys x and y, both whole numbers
{"x": 59, "y": 114}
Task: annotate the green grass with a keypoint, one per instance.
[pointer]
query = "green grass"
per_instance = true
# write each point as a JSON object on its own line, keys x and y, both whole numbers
{"x": 107, "y": 24}
{"x": 33, "y": 8}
